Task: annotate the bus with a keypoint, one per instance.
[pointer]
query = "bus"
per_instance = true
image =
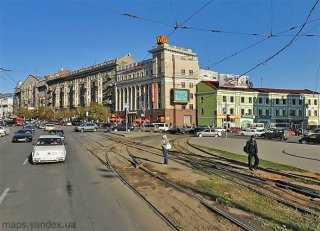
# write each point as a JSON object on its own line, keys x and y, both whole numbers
{"x": 18, "y": 121}
{"x": 280, "y": 125}
{"x": 258, "y": 126}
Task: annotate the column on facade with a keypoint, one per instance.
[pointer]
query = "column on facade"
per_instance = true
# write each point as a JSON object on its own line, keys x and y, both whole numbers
{"x": 88, "y": 91}
{"x": 131, "y": 98}
{"x": 134, "y": 95}
{"x": 123, "y": 99}
{"x": 116, "y": 98}
{"x": 57, "y": 99}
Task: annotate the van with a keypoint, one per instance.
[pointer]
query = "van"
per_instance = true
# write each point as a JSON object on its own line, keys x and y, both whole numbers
{"x": 162, "y": 127}
{"x": 150, "y": 128}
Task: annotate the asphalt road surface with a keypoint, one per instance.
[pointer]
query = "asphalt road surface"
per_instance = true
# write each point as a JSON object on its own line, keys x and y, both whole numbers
{"x": 303, "y": 156}
{"x": 79, "y": 194}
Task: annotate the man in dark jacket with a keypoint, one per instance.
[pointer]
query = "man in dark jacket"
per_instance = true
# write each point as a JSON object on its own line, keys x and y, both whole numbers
{"x": 252, "y": 151}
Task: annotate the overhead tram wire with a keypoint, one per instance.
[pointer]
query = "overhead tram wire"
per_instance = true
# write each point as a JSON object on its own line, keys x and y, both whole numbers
{"x": 7, "y": 80}
{"x": 287, "y": 45}
{"x": 256, "y": 43}
{"x": 177, "y": 26}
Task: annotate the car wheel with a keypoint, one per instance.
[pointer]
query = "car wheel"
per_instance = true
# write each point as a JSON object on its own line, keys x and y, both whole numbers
{"x": 200, "y": 135}
{"x": 81, "y": 130}
{"x": 30, "y": 140}
{"x": 304, "y": 142}
{"x": 242, "y": 134}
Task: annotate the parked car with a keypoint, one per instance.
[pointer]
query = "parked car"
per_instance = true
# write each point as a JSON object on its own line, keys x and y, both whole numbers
{"x": 221, "y": 129}
{"x": 49, "y": 148}
{"x": 209, "y": 133}
{"x": 22, "y": 135}
{"x": 58, "y": 132}
{"x": 310, "y": 139}
{"x": 149, "y": 128}
{"x": 122, "y": 127}
{"x": 163, "y": 127}
{"x": 48, "y": 127}
{"x": 68, "y": 123}
{"x": 176, "y": 131}
{"x": 250, "y": 132}
{"x": 234, "y": 130}
{"x": 4, "y": 131}
{"x": 197, "y": 129}
{"x": 86, "y": 127}
{"x": 276, "y": 134}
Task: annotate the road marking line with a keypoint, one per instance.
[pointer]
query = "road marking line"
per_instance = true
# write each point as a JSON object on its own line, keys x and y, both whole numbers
{"x": 4, "y": 194}
{"x": 25, "y": 161}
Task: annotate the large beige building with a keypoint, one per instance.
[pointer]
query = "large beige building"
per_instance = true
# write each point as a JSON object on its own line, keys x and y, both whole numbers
{"x": 161, "y": 89}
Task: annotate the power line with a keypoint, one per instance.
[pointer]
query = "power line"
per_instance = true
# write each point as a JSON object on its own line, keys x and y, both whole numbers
{"x": 177, "y": 26}
{"x": 256, "y": 43}
{"x": 287, "y": 45}
{"x": 7, "y": 80}
{"x": 2, "y": 70}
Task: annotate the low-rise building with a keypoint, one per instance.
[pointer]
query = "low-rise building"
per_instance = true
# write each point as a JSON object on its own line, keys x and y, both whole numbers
{"x": 244, "y": 105}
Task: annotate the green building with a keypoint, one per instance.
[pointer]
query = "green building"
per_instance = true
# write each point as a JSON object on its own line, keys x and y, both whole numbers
{"x": 295, "y": 108}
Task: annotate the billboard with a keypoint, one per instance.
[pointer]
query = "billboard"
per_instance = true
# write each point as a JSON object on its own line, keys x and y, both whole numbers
{"x": 180, "y": 95}
{"x": 229, "y": 80}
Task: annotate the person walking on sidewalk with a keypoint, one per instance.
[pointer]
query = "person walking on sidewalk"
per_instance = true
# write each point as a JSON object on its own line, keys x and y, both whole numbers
{"x": 252, "y": 151}
{"x": 165, "y": 149}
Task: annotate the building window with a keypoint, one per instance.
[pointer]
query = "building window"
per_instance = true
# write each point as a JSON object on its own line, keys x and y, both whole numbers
{"x": 190, "y": 85}
{"x": 191, "y": 95}
{"x": 151, "y": 73}
{"x": 242, "y": 99}
{"x": 231, "y": 111}
{"x": 242, "y": 111}
{"x": 300, "y": 112}
{"x": 267, "y": 111}
{"x": 284, "y": 101}
{"x": 137, "y": 75}
{"x": 250, "y": 99}
{"x": 284, "y": 112}
{"x": 224, "y": 98}
{"x": 315, "y": 113}
{"x": 249, "y": 112}
{"x": 147, "y": 74}
{"x": 293, "y": 101}
{"x": 315, "y": 102}
{"x": 267, "y": 100}
{"x": 260, "y": 112}
{"x": 183, "y": 71}
{"x": 190, "y": 72}
{"x": 260, "y": 100}
{"x": 309, "y": 101}
{"x": 277, "y": 112}
{"x": 277, "y": 101}
{"x": 202, "y": 111}
{"x": 309, "y": 112}
{"x": 183, "y": 84}
{"x": 183, "y": 106}
{"x": 292, "y": 112}
{"x": 300, "y": 101}
{"x": 201, "y": 99}
{"x": 231, "y": 99}
{"x": 190, "y": 106}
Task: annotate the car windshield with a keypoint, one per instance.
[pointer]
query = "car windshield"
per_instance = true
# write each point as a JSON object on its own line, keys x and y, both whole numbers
{"x": 49, "y": 141}
{"x": 23, "y": 132}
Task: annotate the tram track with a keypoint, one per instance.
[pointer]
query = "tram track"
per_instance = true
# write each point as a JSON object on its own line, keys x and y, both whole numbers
{"x": 205, "y": 165}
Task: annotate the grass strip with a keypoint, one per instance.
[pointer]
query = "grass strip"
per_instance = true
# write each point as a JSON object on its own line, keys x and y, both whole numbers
{"x": 244, "y": 159}
{"x": 279, "y": 217}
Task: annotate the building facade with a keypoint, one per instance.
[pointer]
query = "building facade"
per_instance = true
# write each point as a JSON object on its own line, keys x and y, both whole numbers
{"x": 161, "y": 89}
{"x": 30, "y": 93}
{"x": 297, "y": 108}
{"x": 6, "y": 105}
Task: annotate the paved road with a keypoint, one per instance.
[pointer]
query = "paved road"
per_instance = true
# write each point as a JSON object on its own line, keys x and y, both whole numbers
{"x": 79, "y": 192}
{"x": 270, "y": 150}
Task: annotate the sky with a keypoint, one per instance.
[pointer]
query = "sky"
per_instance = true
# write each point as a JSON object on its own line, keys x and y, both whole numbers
{"x": 39, "y": 37}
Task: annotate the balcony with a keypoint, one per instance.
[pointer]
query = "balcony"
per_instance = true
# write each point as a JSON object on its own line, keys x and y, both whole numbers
{"x": 264, "y": 116}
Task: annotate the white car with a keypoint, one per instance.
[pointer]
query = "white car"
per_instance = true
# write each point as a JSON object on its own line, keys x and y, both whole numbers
{"x": 220, "y": 129}
{"x": 250, "y": 132}
{"x": 48, "y": 127}
{"x": 209, "y": 133}
{"x": 49, "y": 148}
{"x": 4, "y": 131}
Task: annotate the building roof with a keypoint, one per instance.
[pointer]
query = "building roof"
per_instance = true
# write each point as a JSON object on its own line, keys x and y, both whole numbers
{"x": 215, "y": 85}
{"x": 285, "y": 91}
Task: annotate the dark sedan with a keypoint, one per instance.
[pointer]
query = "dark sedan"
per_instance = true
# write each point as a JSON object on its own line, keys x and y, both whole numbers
{"x": 22, "y": 135}
{"x": 176, "y": 131}
{"x": 122, "y": 127}
{"x": 310, "y": 139}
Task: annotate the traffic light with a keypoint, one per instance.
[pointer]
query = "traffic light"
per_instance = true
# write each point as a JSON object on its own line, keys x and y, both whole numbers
{"x": 228, "y": 118}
